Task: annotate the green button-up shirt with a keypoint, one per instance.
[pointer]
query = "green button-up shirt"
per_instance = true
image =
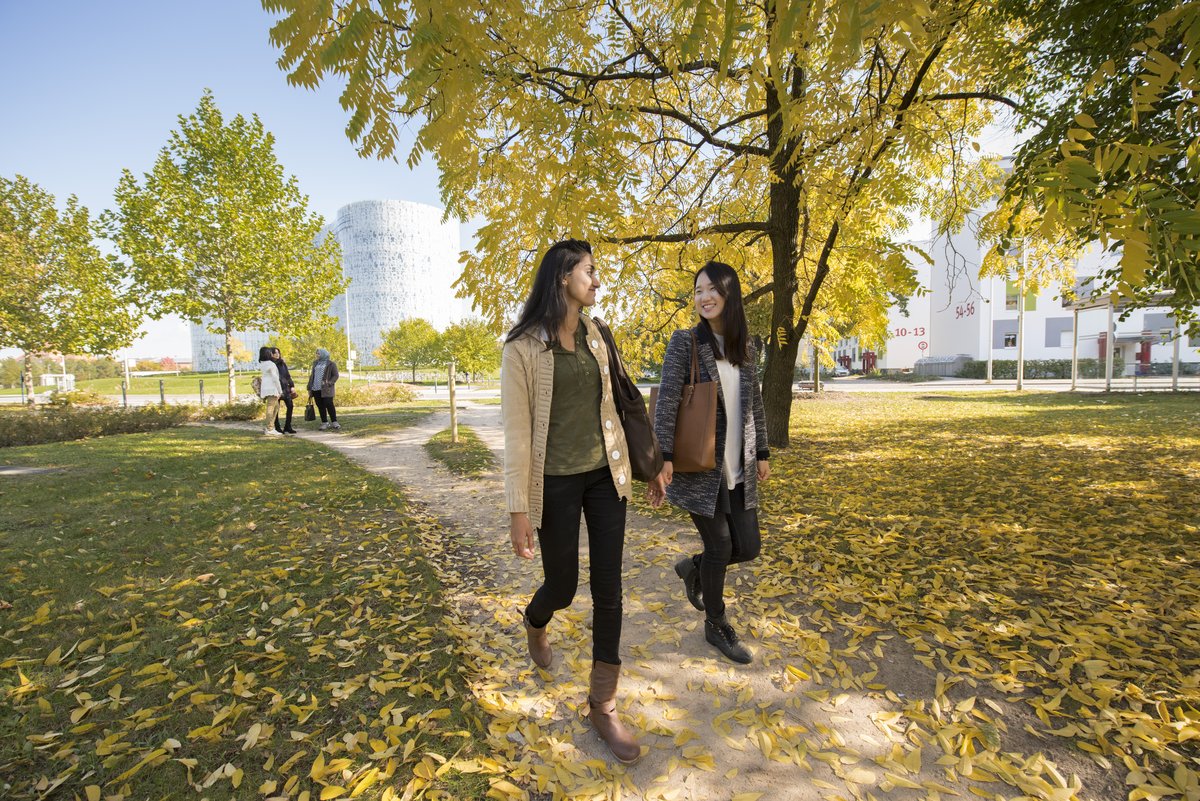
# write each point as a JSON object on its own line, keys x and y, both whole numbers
{"x": 574, "y": 441}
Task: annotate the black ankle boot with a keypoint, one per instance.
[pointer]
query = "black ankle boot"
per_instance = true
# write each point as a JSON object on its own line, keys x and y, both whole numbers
{"x": 688, "y": 569}
{"x": 719, "y": 633}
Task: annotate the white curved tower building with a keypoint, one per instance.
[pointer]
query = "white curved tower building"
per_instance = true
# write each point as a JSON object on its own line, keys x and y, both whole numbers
{"x": 402, "y": 262}
{"x": 208, "y": 349}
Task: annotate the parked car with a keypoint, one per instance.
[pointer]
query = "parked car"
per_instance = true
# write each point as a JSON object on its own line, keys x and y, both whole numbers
{"x": 839, "y": 372}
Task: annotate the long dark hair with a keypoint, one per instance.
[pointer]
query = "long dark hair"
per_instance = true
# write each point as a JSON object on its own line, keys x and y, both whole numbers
{"x": 729, "y": 287}
{"x": 546, "y": 305}
{"x": 264, "y": 354}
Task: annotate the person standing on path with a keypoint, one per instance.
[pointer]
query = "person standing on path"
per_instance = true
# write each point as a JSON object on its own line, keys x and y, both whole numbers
{"x": 723, "y": 501}
{"x": 269, "y": 389}
{"x": 564, "y": 454}
{"x": 321, "y": 381}
{"x": 288, "y": 387}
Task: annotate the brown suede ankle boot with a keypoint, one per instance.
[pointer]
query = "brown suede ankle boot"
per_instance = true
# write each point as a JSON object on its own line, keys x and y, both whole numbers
{"x": 602, "y": 710}
{"x": 539, "y": 645}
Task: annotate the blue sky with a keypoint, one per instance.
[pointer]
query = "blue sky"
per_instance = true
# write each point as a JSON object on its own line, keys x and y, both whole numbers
{"x": 92, "y": 87}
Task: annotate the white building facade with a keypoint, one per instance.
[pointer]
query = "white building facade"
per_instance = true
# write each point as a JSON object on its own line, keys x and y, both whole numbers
{"x": 401, "y": 259}
{"x": 963, "y": 315}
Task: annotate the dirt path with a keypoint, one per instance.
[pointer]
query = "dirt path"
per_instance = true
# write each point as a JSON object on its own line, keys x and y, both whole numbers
{"x": 710, "y": 729}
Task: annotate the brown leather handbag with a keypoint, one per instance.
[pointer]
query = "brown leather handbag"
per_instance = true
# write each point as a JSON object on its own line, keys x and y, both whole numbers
{"x": 696, "y": 422}
{"x": 645, "y": 456}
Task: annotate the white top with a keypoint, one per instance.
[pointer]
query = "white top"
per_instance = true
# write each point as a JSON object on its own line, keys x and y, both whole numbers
{"x": 731, "y": 393}
{"x": 269, "y": 382}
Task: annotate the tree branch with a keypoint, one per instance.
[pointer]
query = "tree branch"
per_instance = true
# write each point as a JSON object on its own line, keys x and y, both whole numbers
{"x": 690, "y": 236}
{"x": 992, "y": 96}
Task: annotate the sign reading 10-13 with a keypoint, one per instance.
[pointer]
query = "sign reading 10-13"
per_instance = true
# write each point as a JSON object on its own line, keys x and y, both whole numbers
{"x": 918, "y": 331}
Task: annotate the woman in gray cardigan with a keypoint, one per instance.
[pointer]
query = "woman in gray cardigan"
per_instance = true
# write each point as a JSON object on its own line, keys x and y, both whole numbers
{"x": 723, "y": 501}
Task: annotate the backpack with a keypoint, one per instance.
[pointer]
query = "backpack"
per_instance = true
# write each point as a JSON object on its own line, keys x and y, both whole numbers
{"x": 256, "y": 384}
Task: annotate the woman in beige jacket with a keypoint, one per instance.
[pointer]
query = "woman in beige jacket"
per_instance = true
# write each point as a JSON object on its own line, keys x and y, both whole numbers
{"x": 564, "y": 455}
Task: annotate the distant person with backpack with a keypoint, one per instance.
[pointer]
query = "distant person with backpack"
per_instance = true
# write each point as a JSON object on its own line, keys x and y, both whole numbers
{"x": 321, "y": 381}
{"x": 269, "y": 389}
{"x": 289, "y": 391}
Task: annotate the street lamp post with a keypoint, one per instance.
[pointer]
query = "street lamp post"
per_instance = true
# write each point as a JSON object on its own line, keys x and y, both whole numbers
{"x": 1021, "y": 316}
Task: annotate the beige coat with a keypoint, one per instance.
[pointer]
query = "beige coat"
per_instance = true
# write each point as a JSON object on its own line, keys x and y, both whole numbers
{"x": 526, "y": 390}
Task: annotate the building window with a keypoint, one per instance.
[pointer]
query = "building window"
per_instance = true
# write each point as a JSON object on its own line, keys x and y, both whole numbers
{"x": 1011, "y": 294}
{"x": 1010, "y": 340}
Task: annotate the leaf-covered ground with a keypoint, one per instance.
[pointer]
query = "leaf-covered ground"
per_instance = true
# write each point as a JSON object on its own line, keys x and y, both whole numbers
{"x": 1037, "y": 554}
{"x": 988, "y": 595}
{"x": 959, "y": 595}
{"x": 205, "y": 609}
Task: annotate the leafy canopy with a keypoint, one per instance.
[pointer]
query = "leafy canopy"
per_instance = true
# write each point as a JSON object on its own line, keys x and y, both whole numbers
{"x": 1115, "y": 157}
{"x": 411, "y": 343}
{"x": 473, "y": 345}
{"x": 794, "y": 141}
{"x": 60, "y": 293}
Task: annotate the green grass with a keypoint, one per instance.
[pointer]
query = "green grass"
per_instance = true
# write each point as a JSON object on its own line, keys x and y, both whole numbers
{"x": 177, "y": 601}
{"x": 467, "y": 457}
{"x": 373, "y": 421}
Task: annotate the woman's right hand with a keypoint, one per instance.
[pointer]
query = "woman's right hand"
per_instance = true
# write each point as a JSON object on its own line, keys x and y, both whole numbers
{"x": 521, "y": 534}
{"x": 668, "y": 471}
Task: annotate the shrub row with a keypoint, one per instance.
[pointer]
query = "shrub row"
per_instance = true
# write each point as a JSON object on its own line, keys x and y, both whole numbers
{"x": 19, "y": 426}
{"x": 1037, "y": 368}
{"x": 372, "y": 394}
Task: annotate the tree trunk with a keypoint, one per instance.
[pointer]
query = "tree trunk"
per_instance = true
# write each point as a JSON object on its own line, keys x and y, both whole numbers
{"x": 229, "y": 359}
{"x": 27, "y": 377}
{"x": 783, "y": 343}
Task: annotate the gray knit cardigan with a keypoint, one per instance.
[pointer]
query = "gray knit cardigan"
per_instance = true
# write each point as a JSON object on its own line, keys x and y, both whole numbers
{"x": 697, "y": 492}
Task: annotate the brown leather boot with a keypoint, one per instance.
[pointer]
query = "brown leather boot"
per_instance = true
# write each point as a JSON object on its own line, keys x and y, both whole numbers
{"x": 602, "y": 710}
{"x": 539, "y": 645}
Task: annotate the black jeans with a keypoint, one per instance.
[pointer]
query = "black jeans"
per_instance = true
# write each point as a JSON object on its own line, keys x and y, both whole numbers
{"x": 324, "y": 407}
{"x": 594, "y": 494}
{"x": 286, "y": 400}
{"x": 730, "y": 537}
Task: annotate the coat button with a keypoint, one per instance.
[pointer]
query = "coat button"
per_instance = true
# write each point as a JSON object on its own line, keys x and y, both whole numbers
{"x": 595, "y": 344}
{"x": 621, "y": 479}
{"x": 608, "y": 424}
{"x": 616, "y": 454}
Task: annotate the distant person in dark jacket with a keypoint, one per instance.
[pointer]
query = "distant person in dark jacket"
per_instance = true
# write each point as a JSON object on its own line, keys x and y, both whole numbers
{"x": 321, "y": 381}
{"x": 288, "y": 387}
{"x": 723, "y": 501}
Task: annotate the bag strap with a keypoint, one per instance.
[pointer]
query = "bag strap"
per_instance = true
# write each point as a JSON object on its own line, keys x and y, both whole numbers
{"x": 695, "y": 360}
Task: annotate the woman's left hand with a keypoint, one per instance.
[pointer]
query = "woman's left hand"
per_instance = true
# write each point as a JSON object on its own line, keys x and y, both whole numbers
{"x": 656, "y": 490}
{"x": 764, "y": 469}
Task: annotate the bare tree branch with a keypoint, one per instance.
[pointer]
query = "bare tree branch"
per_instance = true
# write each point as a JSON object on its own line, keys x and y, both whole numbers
{"x": 690, "y": 236}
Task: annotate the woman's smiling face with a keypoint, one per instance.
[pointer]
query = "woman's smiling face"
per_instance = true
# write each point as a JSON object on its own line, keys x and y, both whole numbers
{"x": 709, "y": 302}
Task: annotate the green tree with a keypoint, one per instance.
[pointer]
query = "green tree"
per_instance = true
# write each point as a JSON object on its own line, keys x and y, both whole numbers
{"x": 411, "y": 343}
{"x": 473, "y": 345}
{"x": 216, "y": 232}
{"x": 1114, "y": 155}
{"x": 299, "y": 346}
{"x": 59, "y": 292}
{"x": 792, "y": 140}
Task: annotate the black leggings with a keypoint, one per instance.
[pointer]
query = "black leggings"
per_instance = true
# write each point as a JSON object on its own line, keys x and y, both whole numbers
{"x": 287, "y": 401}
{"x": 325, "y": 407}
{"x": 564, "y": 498}
{"x": 730, "y": 537}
